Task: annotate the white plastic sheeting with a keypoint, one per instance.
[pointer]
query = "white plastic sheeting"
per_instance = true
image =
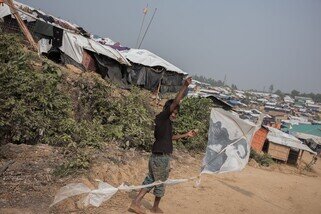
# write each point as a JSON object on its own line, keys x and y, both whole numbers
{"x": 44, "y": 45}
{"x": 279, "y": 137}
{"x": 104, "y": 191}
{"x": 144, "y": 57}
{"x": 229, "y": 142}
{"x": 4, "y": 10}
{"x": 73, "y": 45}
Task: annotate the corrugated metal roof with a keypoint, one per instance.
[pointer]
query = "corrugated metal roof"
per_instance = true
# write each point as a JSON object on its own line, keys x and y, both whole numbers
{"x": 279, "y": 137}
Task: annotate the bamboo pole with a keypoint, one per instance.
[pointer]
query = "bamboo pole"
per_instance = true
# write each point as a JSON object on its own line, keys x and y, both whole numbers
{"x": 300, "y": 158}
{"x": 22, "y": 25}
{"x": 158, "y": 88}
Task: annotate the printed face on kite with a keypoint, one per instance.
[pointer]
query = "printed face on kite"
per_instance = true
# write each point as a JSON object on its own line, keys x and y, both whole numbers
{"x": 222, "y": 152}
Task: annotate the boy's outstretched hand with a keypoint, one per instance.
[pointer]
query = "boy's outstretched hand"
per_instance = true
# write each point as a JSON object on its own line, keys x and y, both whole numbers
{"x": 192, "y": 133}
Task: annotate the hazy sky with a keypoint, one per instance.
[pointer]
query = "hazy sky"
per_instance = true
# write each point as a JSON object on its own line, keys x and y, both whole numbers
{"x": 255, "y": 43}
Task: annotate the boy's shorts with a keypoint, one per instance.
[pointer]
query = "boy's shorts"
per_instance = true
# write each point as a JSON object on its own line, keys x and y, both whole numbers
{"x": 159, "y": 167}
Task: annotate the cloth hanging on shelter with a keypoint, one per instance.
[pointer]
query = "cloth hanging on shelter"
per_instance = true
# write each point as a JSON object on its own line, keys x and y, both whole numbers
{"x": 89, "y": 62}
{"x": 57, "y": 37}
{"x": 72, "y": 46}
{"x": 43, "y": 29}
{"x": 172, "y": 79}
{"x": 229, "y": 139}
{"x": 136, "y": 74}
{"x": 44, "y": 45}
{"x": 111, "y": 69}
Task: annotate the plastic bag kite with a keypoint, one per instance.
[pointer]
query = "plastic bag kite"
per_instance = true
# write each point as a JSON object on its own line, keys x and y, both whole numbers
{"x": 229, "y": 142}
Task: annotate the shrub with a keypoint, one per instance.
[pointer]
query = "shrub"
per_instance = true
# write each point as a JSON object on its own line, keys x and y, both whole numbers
{"x": 262, "y": 159}
{"x": 194, "y": 114}
{"x": 31, "y": 105}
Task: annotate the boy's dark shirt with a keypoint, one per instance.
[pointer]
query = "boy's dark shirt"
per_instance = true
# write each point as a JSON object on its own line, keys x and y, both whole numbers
{"x": 163, "y": 133}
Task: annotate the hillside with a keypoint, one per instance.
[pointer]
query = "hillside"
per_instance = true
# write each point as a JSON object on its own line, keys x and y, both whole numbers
{"x": 59, "y": 125}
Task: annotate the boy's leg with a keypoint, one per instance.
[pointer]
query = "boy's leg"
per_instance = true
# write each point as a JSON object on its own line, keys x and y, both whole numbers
{"x": 140, "y": 196}
{"x": 155, "y": 208}
{"x": 135, "y": 205}
{"x": 161, "y": 168}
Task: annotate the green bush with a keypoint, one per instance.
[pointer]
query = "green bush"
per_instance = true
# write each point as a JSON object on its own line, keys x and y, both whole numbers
{"x": 126, "y": 119}
{"x": 31, "y": 105}
{"x": 194, "y": 114}
{"x": 262, "y": 159}
{"x": 38, "y": 105}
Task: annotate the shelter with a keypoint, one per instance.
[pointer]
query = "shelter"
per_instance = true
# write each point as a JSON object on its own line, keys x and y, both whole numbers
{"x": 151, "y": 71}
{"x": 310, "y": 134}
{"x": 67, "y": 43}
{"x": 284, "y": 147}
{"x": 314, "y": 142}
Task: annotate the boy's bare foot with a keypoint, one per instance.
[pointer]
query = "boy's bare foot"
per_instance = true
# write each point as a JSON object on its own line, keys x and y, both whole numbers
{"x": 156, "y": 210}
{"x": 136, "y": 208}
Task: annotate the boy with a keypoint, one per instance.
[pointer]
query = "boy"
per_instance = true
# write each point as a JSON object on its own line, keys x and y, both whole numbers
{"x": 159, "y": 161}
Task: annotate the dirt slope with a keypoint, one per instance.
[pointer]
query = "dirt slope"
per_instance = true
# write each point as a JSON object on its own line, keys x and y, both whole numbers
{"x": 28, "y": 186}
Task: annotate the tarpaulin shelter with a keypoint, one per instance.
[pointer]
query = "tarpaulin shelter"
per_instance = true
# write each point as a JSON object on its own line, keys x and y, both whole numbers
{"x": 150, "y": 71}
{"x": 67, "y": 43}
{"x": 285, "y": 147}
{"x": 314, "y": 142}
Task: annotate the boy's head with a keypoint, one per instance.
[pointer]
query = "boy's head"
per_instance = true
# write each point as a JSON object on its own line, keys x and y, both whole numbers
{"x": 174, "y": 114}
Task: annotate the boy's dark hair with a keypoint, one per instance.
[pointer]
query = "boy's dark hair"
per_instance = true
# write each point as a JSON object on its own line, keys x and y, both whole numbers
{"x": 169, "y": 103}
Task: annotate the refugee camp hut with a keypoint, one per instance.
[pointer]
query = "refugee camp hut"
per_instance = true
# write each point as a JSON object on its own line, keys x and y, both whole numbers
{"x": 67, "y": 43}
{"x": 314, "y": 142}
{"x": 285, "y": 147}
{"x": 259, "y": 139}
{"x": 278, "y": 116}
{"x": 152, "y": 72}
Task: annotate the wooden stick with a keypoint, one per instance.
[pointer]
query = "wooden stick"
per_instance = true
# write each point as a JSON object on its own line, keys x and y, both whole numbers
{"x": 22, "y": 25}
{"x": 158, "y": 88}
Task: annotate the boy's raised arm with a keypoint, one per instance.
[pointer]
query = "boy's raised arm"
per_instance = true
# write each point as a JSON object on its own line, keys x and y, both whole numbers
{"x": 180, "y": 94}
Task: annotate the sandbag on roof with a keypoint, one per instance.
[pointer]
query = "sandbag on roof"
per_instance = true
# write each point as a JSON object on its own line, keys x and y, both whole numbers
{"x": 144, "y": 57}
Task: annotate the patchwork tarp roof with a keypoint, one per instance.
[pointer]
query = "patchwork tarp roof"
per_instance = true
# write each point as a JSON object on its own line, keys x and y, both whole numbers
{"x": 281, "y": 138}
{"x": 144, "y": 57}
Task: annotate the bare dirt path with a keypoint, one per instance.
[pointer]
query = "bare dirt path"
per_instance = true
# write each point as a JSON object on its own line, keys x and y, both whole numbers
{"x": 253, "y": 190}
{"x": 25, "y": 188}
